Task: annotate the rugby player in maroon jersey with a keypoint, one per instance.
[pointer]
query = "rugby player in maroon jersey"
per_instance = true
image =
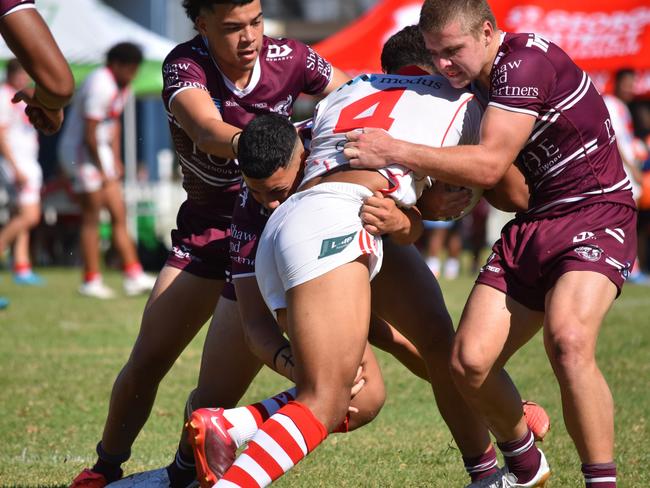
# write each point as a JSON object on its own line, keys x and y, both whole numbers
{"x": 213, "y": 85}
{"x": 560, "y": 264}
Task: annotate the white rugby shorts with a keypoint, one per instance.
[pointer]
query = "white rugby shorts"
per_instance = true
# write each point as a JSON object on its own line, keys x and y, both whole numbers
{"x": 82, "y": 172}
{"x": 30, "y": 193}
{"x": 312, "y": 233}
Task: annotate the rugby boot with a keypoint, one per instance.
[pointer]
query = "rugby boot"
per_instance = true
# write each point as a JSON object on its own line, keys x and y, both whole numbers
{"x": 28, "y": 279}
{"x": 89, "y": 479}
{"x": 537, "y": 419}
{"x": 539, "y": 480}
{"x": 493, "y": 481}
{"x": 214, "y": 449}
{"x": 155, "y": 478}
{"x": 138, "y": 284}
{"x": 96, "y": 289}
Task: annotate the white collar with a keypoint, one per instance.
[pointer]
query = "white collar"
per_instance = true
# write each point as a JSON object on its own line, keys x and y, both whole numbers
{"x": 239, "y": 92}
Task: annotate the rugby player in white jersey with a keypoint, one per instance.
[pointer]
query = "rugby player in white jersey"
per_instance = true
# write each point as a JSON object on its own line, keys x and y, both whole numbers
{"x": 90, "y": 152}
{"x": 20, "y": 170}
{"x": 315, "y": 251}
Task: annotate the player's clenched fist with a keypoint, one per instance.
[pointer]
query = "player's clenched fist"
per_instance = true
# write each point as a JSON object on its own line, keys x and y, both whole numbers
{"x": 380, "y": 215}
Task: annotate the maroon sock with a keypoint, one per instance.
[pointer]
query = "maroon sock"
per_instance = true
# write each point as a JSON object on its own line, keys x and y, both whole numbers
{"x": 481, "y": 466}
{"x": 522, "y": 457}
{"x": 109, "y": 465}
{"x": 601, "y": 475}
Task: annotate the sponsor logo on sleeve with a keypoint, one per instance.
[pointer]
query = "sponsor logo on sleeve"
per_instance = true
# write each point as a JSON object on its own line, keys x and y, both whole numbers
{"x": 335, "y": 245}
{"x": 315, "y": 62}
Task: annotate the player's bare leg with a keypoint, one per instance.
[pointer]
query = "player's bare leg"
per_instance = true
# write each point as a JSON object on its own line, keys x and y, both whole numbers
{"x": 227, "y": 369}
{"x": 575, "y": 309}
{"x": 491, "y": 329}
{"x": 28, "y": 217}
{"x": 114, "y": 203}
{"x": 408, "y": 297}
{"x": 328, "y": 327}
{"x": 387, "y": 338}
{"x": 179, "y": 305}
{"x": 91, "y": 204}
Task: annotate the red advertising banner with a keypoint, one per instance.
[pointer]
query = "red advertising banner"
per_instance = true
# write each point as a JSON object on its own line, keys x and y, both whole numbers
{"x": 600, "y": 35}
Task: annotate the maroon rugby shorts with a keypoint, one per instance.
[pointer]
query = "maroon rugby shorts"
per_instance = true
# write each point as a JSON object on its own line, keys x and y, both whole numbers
{"x": 531, "y": 255}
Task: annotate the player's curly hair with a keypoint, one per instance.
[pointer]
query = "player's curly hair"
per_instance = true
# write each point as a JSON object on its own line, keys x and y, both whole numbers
{"x": 124, "y": 53}
{"x": 405, "y": 48}
{"x": 193, "y": 7}
{"x": 436, "y": 14}
{"x": 266, "y": 144}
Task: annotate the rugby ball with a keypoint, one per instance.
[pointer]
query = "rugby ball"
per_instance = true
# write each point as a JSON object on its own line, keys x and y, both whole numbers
{"x": 427, "y": 204}
{"x": 477, "y": 193}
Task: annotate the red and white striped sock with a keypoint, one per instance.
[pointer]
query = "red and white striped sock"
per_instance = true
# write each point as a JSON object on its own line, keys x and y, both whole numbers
{"x": 284, "y": 439}
{"x": 245, "y": 421}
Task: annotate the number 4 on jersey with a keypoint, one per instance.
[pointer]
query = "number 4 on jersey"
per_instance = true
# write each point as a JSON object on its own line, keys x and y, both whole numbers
{"x": 371, "y": 111}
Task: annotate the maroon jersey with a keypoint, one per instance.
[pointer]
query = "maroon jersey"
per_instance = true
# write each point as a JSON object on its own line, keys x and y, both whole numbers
{"x": 571, "y": 158}
{"x": 248, "y": 221}
{"x": 7, "y": 6}
{"x": 285, "y": 68}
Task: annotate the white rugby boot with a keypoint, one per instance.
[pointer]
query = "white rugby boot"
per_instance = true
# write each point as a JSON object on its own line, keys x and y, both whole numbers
{"x": 138, "y": 284}
{"x": 96, "y": 289}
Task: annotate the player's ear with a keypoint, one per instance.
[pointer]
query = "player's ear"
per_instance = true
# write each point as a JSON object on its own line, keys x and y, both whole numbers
{"x": 487, "y": 32}
{"x": 201, "y": 25}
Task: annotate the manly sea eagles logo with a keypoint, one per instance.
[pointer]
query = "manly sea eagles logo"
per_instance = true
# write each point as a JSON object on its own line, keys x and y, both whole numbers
{"x": 589, "y": 253}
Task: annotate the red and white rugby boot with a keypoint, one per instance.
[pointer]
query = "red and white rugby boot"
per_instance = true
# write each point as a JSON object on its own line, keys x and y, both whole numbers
{"x": 537, "y": 419}
{"x": 214, "y": 449}
{"x": 89, "y": 479}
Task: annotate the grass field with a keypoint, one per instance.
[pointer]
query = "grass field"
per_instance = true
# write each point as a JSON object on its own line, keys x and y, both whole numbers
{"x": 59, "y": 355}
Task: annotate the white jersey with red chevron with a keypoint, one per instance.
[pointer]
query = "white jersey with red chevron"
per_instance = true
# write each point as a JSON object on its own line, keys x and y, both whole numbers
{"x": 422, "y": 109}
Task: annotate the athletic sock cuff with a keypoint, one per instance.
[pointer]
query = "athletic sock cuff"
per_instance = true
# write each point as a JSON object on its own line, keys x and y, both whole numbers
{"x": 112, "y": 458}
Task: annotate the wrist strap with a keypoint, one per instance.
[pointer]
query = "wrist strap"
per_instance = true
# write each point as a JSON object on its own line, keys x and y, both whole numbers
{"x": 234, "y": 142}
{"x": 47, "y": 101}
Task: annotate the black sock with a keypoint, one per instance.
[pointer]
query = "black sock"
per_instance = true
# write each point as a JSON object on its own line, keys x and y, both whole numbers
{"x": 108, "y": 465}
{"x": 182, "y": 470}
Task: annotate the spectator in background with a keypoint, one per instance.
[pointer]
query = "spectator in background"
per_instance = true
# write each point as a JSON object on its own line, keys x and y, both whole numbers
{"x": 90, "y": 151}
{"x": 20, "y": 171}
{"x": 441, "y": 235}
{"x": 29, "y": 38}
{"x": 621, "y": 117}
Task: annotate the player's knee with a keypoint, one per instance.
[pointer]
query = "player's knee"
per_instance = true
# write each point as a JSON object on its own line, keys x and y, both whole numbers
{"x": 328, "y": 403}
{"x": 468, "y": 366}
{"x": 436, "y": 338}
{"x": 368, "y": 402}
{"x": 570, "y": 351}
